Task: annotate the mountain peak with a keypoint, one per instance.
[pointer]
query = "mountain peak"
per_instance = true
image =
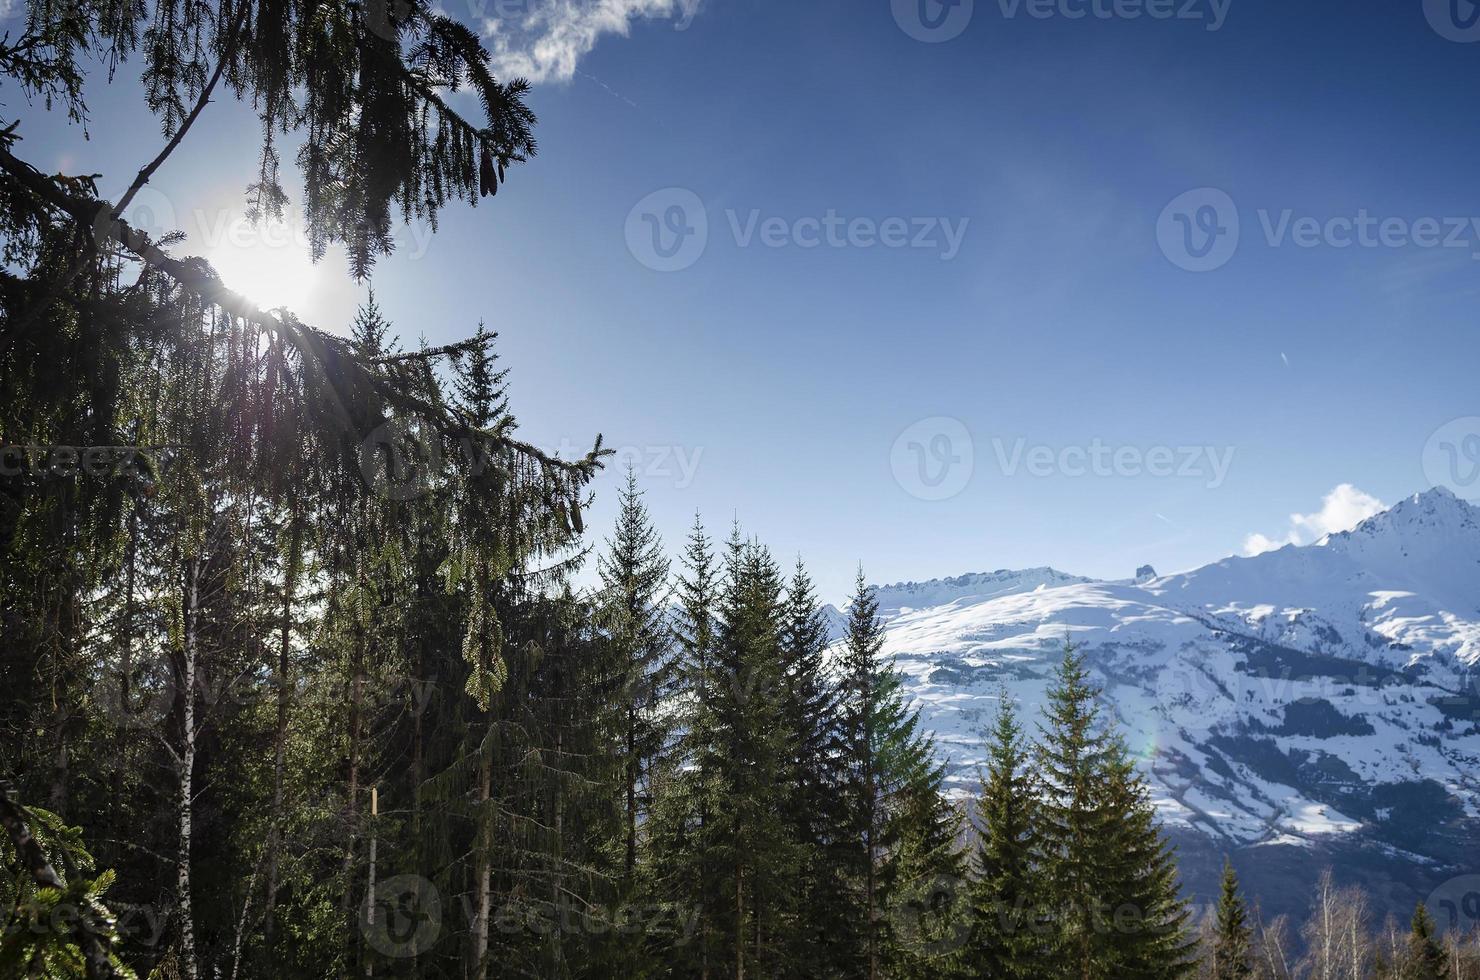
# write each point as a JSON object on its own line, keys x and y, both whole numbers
{"x": 1437, "y": 509}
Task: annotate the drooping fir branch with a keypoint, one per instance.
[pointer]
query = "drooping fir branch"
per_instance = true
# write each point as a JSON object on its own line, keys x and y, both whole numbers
{"x": 90, "y": 938}
{"x": 457, "y": 349}
{"x": 365, "y": 81}
{"x": 195, "y": 277}
{"x": 86, "y": 250}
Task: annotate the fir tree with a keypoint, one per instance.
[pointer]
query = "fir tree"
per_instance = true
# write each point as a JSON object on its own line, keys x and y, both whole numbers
{"x": 634, "y": 574}
{"x": 481, "y": 385}
{"x": 1004, "y": 893}
{"x": 923, "y": 880}
{"x": 1109, "y": 877}
{"x": 746, "y": 752}
{"x": 1071, "y": 754}
{"x": 683, "y": 827}
{"x": 863, "y": 645}
{"x": 1141, "y": 912}
{"x": 370, "y": 331}
{"x": 1424, "y": 959}
{"x": 811, "y": 807}
{"x": 902, "y": 833}
{"x": 1231, "y": 953}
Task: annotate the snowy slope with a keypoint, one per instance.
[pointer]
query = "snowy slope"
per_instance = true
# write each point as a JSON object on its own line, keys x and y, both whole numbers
{"x": 1300, "y": 695}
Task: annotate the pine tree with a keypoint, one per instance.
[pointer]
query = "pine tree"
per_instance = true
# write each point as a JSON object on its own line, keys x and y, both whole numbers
{"x": 1142, "y": 913}
{"x": 863, "y": 645}
{"x": 482, "y": 386}
{"x": 370, "y": 331}
{"x": 1424, "y": 959}
{"x": 683, "y": 826}
{"x": 634, "y": 574}
{"x": 1071, "y": 754}
{"x": 1006, "y": 888}
{"x": 1109, "y": 876}
{"x": 1231, "y": 953}
{"x": 811, "y": 806}
{"x": 745, "y": 754}
{"x": 901, "y": 854}
{"x": 924, "y": 878}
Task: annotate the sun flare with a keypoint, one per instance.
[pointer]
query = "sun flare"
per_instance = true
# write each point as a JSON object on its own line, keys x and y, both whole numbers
{"x": 268, "y": 263}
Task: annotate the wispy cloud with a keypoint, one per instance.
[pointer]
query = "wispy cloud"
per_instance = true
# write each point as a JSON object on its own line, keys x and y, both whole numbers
{"x": 1341, "y": 510}
{"x": 544, "y": 40}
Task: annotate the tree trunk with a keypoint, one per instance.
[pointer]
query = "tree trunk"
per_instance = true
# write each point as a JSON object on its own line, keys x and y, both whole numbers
{"x": 280, "y": 738}
{"x": 870, "y": 884}
{"x": 60, "y": 755}
{"x": 187, "y": 768}
{"x": 631, "y": 791}
{"x": 370, "y": 877}
{"x": 123, "y": 737}
{"x": 1327, "y": 953}
{"x": 352, "y": 815}
{"x": 482, "y": 867}
{"x": 740, "y": 923}
{"x": 556, "y": 897}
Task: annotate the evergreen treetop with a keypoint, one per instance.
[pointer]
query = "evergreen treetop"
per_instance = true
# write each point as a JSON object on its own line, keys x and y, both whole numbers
{"x": 1231, "y": 951}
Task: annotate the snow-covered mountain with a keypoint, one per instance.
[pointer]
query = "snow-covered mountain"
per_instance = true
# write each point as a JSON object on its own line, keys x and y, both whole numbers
{"x": 1307, "y": 698}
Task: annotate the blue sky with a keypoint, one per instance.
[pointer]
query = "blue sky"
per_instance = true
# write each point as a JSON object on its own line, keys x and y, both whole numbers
{"x": 1005, "y": 282}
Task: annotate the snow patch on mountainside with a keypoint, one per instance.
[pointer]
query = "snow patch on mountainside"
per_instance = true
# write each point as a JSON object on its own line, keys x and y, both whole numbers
{"x": 1301, "y": 693}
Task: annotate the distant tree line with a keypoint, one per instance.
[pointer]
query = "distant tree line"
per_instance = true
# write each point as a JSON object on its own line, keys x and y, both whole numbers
{"x": 1339, "y": 941}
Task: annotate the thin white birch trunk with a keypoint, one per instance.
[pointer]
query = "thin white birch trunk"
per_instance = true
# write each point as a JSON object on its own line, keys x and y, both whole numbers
{"x": 187, "y": 769}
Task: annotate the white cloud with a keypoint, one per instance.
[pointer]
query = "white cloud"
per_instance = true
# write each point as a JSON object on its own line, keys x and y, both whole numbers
{"x": 543, "y": 40}
{"x": 1341, "y": 510}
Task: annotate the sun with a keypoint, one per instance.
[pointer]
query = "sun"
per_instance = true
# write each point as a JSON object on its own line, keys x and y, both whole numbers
{"x": 268, "y": 263}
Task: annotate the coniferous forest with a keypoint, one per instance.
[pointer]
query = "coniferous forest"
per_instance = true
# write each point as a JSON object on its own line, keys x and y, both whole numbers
{"x": 296, "y": 680}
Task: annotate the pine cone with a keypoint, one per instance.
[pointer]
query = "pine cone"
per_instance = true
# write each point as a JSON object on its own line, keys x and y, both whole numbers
{"x": 487, "y": 180}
